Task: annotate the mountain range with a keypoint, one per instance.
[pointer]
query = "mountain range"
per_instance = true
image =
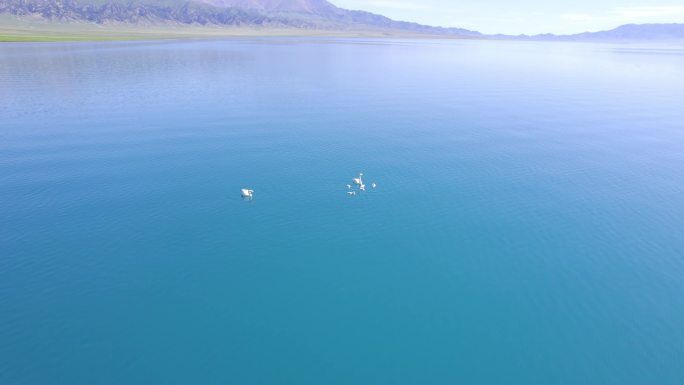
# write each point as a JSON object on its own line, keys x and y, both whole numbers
{"x": 296, "y": 14}
{"x": 301, "y": 14}
{"x": 627, "y": 32}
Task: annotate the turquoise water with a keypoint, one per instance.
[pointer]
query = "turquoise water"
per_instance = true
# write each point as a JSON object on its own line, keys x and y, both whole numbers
{"x": 527, "y": 228}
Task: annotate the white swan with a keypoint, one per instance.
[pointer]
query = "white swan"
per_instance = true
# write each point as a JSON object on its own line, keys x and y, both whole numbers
{"x": 373, "y": 185}
{"x": 247, "y": 193}
{"x": 351, "y": 192}
{"x": 359, "y": 180}
{"x": 349, "y": 186}
{"x": 362, "y": 187}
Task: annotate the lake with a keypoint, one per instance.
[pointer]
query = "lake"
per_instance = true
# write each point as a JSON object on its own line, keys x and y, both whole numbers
{"x": 527, "y": 226}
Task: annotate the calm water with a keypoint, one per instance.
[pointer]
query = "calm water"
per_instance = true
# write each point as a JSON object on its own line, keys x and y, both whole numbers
{"x": 527, "y": 228}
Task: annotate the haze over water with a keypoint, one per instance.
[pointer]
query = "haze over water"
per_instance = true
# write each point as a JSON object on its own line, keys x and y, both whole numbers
{"x": 527, "y": 228}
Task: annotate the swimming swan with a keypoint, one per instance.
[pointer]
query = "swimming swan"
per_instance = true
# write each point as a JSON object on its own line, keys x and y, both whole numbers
{"x": 247, "y": 193}
{"x": 358, "y": 181}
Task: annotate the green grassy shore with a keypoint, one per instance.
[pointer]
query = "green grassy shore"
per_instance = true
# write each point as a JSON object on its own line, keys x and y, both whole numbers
{"x": 14, "y": 29}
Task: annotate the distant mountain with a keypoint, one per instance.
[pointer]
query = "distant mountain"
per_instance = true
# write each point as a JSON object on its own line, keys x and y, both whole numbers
{"x": 317, "y": 7}
{"x": 306, "y": 14}
{"x": 627, "y": 32}
{"x": 637, "y": 32}
{"x": 136, "y": 11}
{"x": 300, "y": 14}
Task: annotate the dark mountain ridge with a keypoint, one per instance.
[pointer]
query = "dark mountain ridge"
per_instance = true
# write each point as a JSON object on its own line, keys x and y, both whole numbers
{"x": 131, "y": 12}
{"x": 299, "y": 6}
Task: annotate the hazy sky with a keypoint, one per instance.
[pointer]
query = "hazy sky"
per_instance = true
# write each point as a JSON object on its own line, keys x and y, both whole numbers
{"x": 525, "y": 16}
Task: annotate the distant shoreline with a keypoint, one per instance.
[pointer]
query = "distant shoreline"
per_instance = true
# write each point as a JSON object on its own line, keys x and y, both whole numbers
{"x": 13, "y": 29}
{"x": 36, "y": 29}
{"x": 46, "y": 36}
{"x": 10, "y": 38}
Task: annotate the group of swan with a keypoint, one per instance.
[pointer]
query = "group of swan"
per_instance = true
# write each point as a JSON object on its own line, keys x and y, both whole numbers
{"x": 249, "y": 194}
{"x": 359, "y": 182}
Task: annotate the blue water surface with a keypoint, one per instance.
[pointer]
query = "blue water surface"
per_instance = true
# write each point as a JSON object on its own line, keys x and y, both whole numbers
{"x": 527, "y": 227}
